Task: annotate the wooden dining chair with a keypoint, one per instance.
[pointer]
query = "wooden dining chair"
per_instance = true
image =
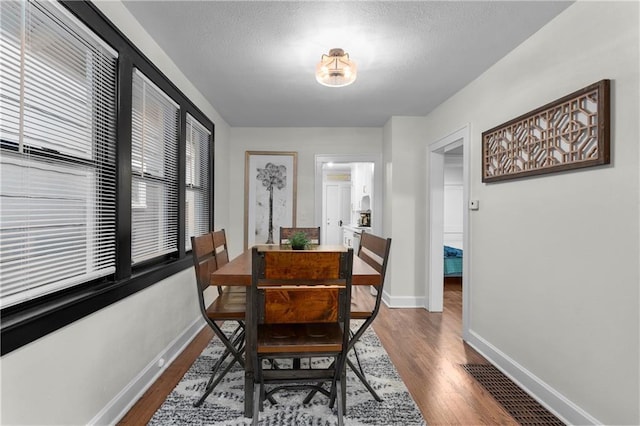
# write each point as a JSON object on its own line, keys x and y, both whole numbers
{"x": 374, "y": 251}
{"x": 300, "y": 301}
{"x": 228, "y": 306}
{"x": 313, "y": 234}
{"x": 221, "y": 253}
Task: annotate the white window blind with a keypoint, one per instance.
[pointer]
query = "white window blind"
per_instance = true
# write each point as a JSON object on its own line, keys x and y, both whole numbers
{"x": 154, "y": 163}
{"x": 197, "y": 194}
{"x": 57, "y": 157}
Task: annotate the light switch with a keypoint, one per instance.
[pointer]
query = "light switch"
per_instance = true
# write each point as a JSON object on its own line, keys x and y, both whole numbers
{"x": 474, "y": 204}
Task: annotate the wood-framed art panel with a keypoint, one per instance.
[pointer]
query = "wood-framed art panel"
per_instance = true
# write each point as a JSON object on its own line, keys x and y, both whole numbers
{"x": 270, "y": 187}
{"x": 569, "y": 133}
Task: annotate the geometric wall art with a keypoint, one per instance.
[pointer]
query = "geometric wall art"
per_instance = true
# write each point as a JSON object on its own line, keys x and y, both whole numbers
{"x": 569, "y": 133}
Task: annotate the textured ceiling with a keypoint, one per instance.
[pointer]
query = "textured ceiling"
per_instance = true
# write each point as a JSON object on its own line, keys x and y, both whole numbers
{"x": 255, "y": 60}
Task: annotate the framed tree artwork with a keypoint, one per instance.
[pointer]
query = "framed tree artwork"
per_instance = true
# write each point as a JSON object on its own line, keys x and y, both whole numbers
{"x": 270, "y": 184}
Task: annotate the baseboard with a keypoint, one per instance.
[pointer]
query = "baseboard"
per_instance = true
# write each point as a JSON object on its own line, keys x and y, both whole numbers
{"x": 127, "y": 397}
{"x": 403, "y": 301}
{"x": 551, "y": 399}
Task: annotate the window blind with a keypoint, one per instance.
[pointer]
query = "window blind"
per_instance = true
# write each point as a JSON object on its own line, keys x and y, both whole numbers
{"x": 57, "y": 157}
{"x": 197, "y": 193}
{"x": 154, "y": 163}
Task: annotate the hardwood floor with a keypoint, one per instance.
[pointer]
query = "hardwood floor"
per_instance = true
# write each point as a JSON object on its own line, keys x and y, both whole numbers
{"x": 427, "y": 350}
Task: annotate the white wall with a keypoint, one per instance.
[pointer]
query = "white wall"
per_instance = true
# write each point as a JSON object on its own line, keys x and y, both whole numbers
{"x": 404, "y": 210}
{"x": 90, "y": 370}
{"x": 555, "y": 277}
{"x": 68, "y": 377}
{"x": 307, "y": 142}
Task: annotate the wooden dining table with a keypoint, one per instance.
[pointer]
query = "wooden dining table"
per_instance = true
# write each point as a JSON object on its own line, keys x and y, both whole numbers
{"x": 238, "y": 273}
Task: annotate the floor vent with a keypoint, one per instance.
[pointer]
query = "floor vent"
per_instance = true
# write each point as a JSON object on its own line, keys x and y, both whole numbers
{"x": 524, "y": 409}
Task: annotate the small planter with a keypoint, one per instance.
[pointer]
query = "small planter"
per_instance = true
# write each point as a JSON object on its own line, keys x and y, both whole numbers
{"x": 298, "y": 241}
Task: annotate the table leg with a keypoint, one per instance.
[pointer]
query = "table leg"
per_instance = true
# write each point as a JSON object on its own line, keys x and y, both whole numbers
{"x": 249, "y": 351}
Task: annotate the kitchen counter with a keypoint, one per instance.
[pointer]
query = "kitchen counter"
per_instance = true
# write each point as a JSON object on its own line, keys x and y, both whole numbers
{"x": 356, "y": 228}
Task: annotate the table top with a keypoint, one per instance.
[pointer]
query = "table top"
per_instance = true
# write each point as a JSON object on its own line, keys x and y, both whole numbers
{"x": 287, "y": 247}
{"x": 238, "y": 271}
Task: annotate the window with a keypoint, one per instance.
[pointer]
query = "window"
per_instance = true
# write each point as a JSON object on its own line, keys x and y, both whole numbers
{"x": 90, "y": 182}
{"x": 57, "y": 157}
{"x": 197, "y": 170}
{"x": 154, "y": 165}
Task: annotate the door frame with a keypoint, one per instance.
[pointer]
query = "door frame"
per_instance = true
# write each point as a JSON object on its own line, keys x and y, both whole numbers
{"x": 376, "y": 159}
{"x": 435, "y": 284}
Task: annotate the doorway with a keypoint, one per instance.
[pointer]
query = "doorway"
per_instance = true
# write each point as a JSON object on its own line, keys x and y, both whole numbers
{"x": 336, "y": 201}
{"x": 455, "y": 145}
{"x": 365, "y": 193}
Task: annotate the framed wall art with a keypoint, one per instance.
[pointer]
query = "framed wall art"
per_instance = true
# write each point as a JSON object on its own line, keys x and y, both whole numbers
{"x": 270, "y": 185}
{"x": 569, "y": 133}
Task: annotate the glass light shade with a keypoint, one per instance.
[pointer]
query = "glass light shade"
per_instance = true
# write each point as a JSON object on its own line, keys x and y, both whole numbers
{"x": 336, "y": 69}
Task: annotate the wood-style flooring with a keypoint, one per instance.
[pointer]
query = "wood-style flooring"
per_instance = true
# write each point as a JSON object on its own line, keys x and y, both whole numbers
{"x": 427, "y": 350}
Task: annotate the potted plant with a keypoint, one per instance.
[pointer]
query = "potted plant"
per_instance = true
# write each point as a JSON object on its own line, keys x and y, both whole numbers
{"x": 298, "y": 241}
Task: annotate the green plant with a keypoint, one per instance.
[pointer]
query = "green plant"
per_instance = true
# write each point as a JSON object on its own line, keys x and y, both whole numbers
{"x": 298, "y": 240}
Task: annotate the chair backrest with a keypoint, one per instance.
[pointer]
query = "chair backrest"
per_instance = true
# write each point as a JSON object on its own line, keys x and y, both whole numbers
{"x": 220, "y": 250}
{"x": 220, "y": 247}
{"x": 313, "y": 234}
{"x": 374, "y": 251}
{"x": 204, "y": 261}
{"x": 302, "y": 286}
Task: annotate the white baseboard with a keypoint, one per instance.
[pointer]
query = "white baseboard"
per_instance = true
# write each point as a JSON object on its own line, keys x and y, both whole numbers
{"x": 551, "y": 399}
{"x": 402, "y": 301}
{"x": 127, "y": 397}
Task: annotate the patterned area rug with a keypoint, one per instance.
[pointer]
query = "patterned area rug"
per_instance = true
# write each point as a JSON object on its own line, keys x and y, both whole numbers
{"x": 226, "y": 404}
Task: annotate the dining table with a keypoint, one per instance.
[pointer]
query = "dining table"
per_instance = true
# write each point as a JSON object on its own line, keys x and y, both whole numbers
{"x": 238, "y": 273}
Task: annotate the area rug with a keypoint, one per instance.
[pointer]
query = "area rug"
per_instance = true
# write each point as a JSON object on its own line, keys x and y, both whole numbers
{"x": 226, "y": 403}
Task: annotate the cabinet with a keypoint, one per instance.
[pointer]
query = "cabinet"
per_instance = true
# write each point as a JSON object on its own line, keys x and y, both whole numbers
{"x": 361, "y": 190}
{"x": 351, "y": 237}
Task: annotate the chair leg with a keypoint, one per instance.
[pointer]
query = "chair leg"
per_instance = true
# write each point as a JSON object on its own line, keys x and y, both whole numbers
{"x": 229, "y": 344}
{"x": 340, "y": 413}
{"x": 360, "y": 371}
{"x": 212, "y": 384}
{"x": 364, "y": 381}
{"x": 257, "y": 396}
{"x": 313, "y": 392}
{"x": 238, "y": 345}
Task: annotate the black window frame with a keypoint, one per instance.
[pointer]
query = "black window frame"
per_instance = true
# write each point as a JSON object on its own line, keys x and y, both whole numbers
{"x": 26, "y": 322}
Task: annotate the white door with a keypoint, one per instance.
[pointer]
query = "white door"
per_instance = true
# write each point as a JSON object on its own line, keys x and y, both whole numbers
{"x": 336, "y": 211}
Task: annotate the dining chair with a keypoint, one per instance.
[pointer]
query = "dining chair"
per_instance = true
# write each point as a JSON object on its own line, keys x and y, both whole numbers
{"x": 313, "y": 234}
{"x": 228, "y": 306}
{"x": 300, "y": 301}
{"x": 374, "y": 250}
{"x": 221, "y": 253}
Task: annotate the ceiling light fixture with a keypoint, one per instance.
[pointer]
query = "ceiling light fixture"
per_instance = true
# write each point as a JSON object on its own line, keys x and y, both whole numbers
{"x": 336, "y": 69}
